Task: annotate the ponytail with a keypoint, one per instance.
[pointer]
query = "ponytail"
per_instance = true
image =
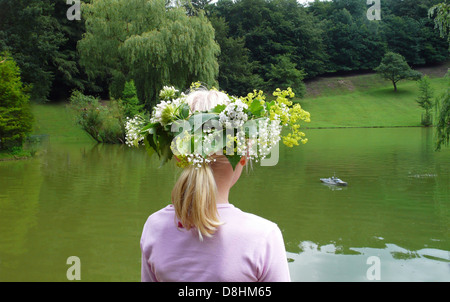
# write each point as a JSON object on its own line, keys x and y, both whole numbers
{"x": 194, "y": 200}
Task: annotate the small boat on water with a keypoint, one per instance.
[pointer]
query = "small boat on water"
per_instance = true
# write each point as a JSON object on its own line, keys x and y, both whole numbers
{"x": 333, "y": 180}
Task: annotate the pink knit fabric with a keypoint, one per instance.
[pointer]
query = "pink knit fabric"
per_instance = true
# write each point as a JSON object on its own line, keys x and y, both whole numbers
{"x": 245, "y": 248}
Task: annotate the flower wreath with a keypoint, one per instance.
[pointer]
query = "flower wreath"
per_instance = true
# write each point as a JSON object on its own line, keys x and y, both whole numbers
{"x": 247, "y": 126}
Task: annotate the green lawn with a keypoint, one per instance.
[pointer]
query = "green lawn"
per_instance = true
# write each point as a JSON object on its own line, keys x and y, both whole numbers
{"x": 57, "y": 122}
{"x": 366, "y": 101}
{"x": 52, "y": 122}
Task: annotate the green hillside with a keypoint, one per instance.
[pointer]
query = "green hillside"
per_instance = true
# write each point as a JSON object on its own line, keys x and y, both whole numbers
{"x": 365, "y": 101}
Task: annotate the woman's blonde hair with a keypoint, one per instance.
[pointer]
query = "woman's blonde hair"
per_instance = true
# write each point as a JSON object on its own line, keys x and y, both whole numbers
{"x": 194, "y": 194}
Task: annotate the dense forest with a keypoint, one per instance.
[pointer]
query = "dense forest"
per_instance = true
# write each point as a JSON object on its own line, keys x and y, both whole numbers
{"x": 263, "y": 43}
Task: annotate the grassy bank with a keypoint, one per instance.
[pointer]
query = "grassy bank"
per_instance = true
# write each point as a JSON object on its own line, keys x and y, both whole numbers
{"x": 365, "y": 101}
{"x": 52, "y": 122}
{"x": 16, "y": 154}
{"x": 56, "y": 122}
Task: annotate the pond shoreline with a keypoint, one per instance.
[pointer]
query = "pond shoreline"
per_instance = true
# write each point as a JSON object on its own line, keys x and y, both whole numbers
{"x": 4, "y": 157}
{"x": 15, "y": 158}
{"x": 360, "y": 127}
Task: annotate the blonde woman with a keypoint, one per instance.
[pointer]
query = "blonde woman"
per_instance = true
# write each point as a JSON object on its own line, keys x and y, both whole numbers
{"x": 201, "y": 236}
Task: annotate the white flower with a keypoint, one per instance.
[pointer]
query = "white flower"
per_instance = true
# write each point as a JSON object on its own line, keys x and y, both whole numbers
{"x": 133, "y": 134}
{"x": 233, "y": 116}
{"x": 168, "y": 93}
{"x": 163, "y": 113}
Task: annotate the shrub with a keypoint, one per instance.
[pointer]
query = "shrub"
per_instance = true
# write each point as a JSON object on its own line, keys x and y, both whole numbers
{"x": 16, "y": 119}
{"x": 105, "y": 123}
{"x": 425, "y": 100}
{"x": 102, "y": 122}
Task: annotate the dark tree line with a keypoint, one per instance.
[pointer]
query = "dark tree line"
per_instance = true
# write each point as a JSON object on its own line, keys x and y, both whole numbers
{"x": 264, "y": 43}
{"x": 326, "y": 37}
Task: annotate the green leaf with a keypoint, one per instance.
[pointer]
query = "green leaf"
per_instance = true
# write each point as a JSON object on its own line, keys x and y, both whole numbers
{"x": 148, "y": 146}
{"x": 256, "y": 108}
{"x": 149, "y": 127}
{"x": 268, "y": 105}
{"x": 166, "y": 155}
{"x": 218, "y": 109}
{"x": 184, "y": 111}
{"x": 164, "y": 141}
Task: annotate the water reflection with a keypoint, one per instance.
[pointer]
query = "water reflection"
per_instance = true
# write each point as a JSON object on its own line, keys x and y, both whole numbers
{"x": 328, "y": 263}
{"x": 334, "y": 187}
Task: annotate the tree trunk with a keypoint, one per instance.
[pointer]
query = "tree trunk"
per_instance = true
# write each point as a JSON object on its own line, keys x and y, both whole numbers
{"x": 395, "y": 86}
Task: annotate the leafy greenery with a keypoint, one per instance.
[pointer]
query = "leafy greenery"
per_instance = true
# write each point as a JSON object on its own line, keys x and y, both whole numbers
{"x": 15, "y": 113}
{"x": 276, "y": 33}
{"x": 264, "y": 44}
{"x": 443, "y": 117}
{"x": 43, "y": 43}
{"x": 425, "y": 100}
{"x": 130, "y": 101}
{"x": 328, "y": 36}
{"x": 237, "y": 72}
{"x": 105, "y": 122}
{"x": 441, "y": 14}
{"x": 148, "y": 42}
{"x": 394, "y": 68}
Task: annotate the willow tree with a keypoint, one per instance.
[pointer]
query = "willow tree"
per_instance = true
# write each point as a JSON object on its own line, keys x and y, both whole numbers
{"x": 148, "y": 42}
{"x": 441, "y": 13}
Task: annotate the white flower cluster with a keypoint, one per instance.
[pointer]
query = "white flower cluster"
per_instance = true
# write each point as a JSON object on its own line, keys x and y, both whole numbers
{"x": 233, "y": 116}
{"x": 197, "y": 160}
{"x": 168, "y": 93}
{"x": 132, "y": 128}
{"x": 268, "y": 136}
{"x": 259, "y": 144}
{"x": 164, "y": 111}
{"x": 212, "y": 141}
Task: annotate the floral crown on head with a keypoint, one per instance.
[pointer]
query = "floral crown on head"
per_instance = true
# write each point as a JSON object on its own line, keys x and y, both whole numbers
{"x": 249, "y": 126}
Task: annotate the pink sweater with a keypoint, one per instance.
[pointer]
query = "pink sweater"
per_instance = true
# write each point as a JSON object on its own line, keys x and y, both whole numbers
{"x": 245, "y": 248}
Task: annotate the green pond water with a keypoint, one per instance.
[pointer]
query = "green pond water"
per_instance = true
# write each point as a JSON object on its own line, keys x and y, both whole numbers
{"x": 91, "y": 201}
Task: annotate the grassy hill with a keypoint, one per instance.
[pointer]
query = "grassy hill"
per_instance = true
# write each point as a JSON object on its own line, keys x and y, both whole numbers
{"x": 367, "y": 100}
{"x": 57, "y": 121}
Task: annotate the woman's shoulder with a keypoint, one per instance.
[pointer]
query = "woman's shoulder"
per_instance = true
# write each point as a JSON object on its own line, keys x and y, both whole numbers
{"x": 250, "y": 222}
{"x": 160, "y": 216}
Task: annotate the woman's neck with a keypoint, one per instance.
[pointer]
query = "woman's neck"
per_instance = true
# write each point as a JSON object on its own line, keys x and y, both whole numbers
{"x": 222, "y": 196}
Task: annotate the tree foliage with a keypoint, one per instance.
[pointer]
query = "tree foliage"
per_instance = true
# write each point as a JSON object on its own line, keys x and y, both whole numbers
{"x": 442, "y": 123}
{"x": 104, "y": 123}
{"x": 158, "y": 41}
{"x": 274, "y": 32}
{"x": 237, "y": 72}
{"x": 394, "y": 68}
{"x": 15, "y": 112}
{"x": 328, "y": 36}
{"x": 425, "y": 99}
{"x": 147, "y": 42}
{"x": 441, "y": 14}
{"x": 42, "y": 41}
